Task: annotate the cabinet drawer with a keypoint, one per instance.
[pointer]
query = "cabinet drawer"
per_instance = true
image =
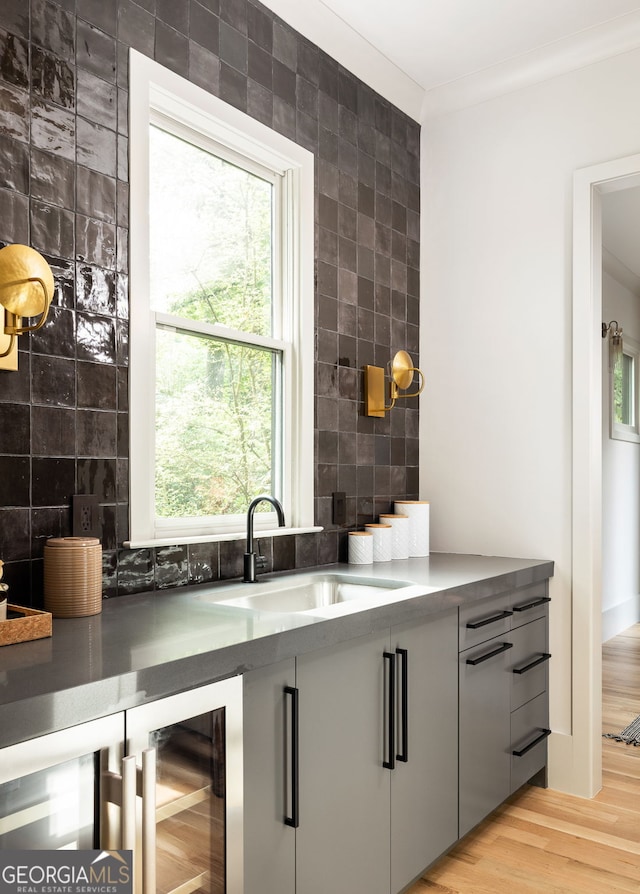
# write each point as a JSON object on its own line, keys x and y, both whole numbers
{"x": 529, "y": 661}
{"x": 530, "y": 603}
{"x": 529, "y": 731}
{"x": 483, "y": 620}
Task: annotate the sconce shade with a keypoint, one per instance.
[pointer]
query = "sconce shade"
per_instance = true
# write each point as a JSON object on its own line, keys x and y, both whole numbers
{"x": 402, "y": 370}
{"x": 26, "y": 281}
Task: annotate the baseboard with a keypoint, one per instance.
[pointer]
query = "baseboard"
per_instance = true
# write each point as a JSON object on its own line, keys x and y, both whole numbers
{"x": 620, "y": 617}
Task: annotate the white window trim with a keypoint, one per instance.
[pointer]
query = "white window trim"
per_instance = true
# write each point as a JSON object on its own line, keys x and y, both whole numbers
{"x": 617, "y": 430}
{"x": 154, "y": 89}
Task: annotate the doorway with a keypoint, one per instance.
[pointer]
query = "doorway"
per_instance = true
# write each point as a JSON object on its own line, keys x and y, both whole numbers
{"x": 581, "y": 760}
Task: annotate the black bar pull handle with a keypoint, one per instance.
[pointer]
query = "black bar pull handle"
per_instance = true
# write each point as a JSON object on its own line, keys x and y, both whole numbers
{"x": 519, "y": 752}
{"x": 294, "y": 819}
{"x": 528, "y": 605}
{"x": 404, "y": 705}
{"x": 475, "y": 625}
{"x": 501, "y": 648}
{"x": 544, "y": 656}
{"x": 391, "y": 711}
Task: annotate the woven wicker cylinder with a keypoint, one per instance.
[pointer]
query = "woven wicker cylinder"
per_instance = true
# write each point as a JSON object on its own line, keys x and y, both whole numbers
{"x": 73, "y": 576}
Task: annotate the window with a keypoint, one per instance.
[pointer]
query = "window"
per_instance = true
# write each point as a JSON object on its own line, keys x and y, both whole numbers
{"x": 221, "y": 369}
{"x": 625, "y": 394}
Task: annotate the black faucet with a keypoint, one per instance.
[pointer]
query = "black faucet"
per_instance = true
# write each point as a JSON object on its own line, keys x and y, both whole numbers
{"x": 252, "y": 562}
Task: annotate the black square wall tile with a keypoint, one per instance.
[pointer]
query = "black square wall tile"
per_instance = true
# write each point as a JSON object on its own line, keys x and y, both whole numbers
{"x": 204, "y": 26}
{"x": 15, "y": 430}
{"x": 96, "y": 99}
{"x": 95, "y": 338}
{"x": 96, "y": 386}
{"x": 233, "y": 48}
{"x": 14, "y": 17}
{"x": 97, "y": 476}
{"x": 14, "y": 60}
{"x": 57, "y": 336}
{"x": 171, "y": 567}
{"x": 53, "y": 481}
{"x": 96, "y": 51}
{"x": 204, "y": 562}
{"x": 235, "y": 13}
{"x": 136, "y": 27}
{"x": 14, "y": 112}
{"x": 52, "y": 179}
{"x": 174, "y": 14}
{"x": 233, "y": 87}
{"x": 14, "y": 165}
{"x": 52, "y": 230}
{"x": 53, "y": 128}
{"x": 52, "y": 78}
{"x": 96, "y": 433}
{"x": 53, "y": 381}
{"x": 53, "y": 28}
{"x": 172, "y": 49}
{"x": 53, "y": 431}
{"x": 260, "y": 27}
{"x": 95, "y": 289}
{"x": 204, "y": 68}
{"x": 103, "y": 14}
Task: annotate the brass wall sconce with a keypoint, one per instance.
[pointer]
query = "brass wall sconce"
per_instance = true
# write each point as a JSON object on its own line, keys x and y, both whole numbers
{"x": 26, "y": 290}
{"x": 401, "y": 372}
{"x": 615, "y": 342}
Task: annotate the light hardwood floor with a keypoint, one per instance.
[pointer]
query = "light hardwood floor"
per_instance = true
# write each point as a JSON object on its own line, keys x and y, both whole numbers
{"x": 544, "y": 841}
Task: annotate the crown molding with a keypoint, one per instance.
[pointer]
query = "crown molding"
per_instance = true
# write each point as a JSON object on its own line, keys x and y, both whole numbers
{"x": 318, "y": 23}
{"x": 619, "y": 35}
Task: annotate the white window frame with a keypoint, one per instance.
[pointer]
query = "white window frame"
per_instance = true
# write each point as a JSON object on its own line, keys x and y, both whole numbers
{"x": 618, "y": 431}
{"x": 156, "y": 93}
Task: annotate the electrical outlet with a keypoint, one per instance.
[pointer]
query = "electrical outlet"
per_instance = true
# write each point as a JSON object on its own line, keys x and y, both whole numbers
{"x": 339, "y": 515}
{"x": 86, "y": 522}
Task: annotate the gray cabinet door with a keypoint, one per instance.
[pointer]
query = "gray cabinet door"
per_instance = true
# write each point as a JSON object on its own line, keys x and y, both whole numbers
{"x": 342, "y": 842}
{"x": 269, "y": 844}
{"x": 424, "y": 788}
{"x": 485, "y": 730}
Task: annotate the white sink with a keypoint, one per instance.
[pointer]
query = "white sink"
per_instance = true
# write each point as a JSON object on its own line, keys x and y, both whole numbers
{"x": 312, "y": 593}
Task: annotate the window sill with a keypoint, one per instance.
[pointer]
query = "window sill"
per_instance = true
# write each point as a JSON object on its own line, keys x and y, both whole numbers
{"x": 217, "y": 538}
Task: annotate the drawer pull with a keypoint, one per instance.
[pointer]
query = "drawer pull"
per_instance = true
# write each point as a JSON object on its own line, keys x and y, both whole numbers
{"x": 544, "y": 656}
{"x": 503, "y": 647}
{"x": 519, "y": 752}
{"x": 528, "y": 605}
{"x": 474, "y": 625}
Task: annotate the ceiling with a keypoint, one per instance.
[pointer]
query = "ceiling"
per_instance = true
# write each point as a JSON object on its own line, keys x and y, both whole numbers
{"x": 436, "y": 42}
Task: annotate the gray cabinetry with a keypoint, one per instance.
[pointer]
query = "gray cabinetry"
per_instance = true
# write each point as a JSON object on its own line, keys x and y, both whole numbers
{"x": 503, "y": 698}
{"x": 318, "y": 814}
{"x": 269, "y": 844}
{"x": 424, "y": 787}
{"x": 375, "y": 784}
{"x": 342, "y": 841}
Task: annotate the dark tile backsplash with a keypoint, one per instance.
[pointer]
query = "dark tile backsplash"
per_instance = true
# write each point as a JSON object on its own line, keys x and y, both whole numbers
{"x": 64, "y": 190}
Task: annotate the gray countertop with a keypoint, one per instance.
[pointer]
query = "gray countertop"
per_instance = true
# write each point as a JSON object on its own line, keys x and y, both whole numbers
{"x": 144, "y": 647}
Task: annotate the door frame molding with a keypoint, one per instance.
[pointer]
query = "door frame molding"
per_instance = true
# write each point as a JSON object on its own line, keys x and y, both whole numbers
{"x": 581, "y": 764}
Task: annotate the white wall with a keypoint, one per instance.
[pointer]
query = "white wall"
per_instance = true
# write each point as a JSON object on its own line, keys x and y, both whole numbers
{"x": 620, "y": 482}
{"x": 496, "y": 321}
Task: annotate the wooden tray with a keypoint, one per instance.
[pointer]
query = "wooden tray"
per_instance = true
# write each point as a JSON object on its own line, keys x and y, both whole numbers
{"x": 32, "y": 624}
